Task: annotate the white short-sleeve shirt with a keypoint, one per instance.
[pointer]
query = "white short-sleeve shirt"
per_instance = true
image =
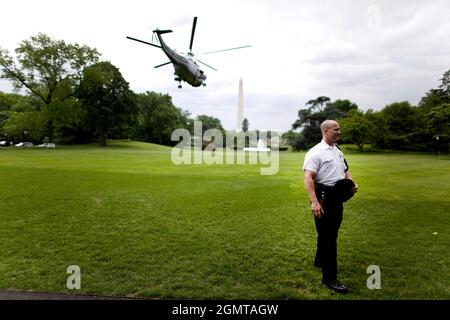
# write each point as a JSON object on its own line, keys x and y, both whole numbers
{"x": 327, "y": 162}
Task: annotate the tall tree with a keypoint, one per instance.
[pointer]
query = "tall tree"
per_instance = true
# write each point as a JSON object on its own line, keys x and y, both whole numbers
{"x": 25, "y": 126}
{"x": 158, "y": 117}
{"x": 318, "y": 103}
{"x": 313, "y": 115}
{"x": 209, "y": 122}
{"x": 50, "y": 69}
{"x": 18, "y": 114}
{"x": 433, "y": 98}
{"x": 439, "y": 122}
{"x": 7, "y": 101}
{"x": 436, "y": 97}
{"x": 310, "y": 118}
{"x": 245, "y": 125}
{"x": 294, "y": 139}
{"x": 108, "y": 99}
{"x": 445, "y": 83}
{"x": 400, "y": 126}
{"x": 339, "y": 108}
{"x": 356, "y": 128}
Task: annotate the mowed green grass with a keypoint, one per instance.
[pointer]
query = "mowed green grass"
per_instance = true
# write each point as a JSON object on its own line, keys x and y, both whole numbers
{"x": 139, "y": 226}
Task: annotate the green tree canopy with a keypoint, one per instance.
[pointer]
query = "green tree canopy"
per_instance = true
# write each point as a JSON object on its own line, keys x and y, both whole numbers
{"x": 48, "y": 68}
{"x": 400, "y": 126}
{"x": 7, "y": 100}
{"x": 108, "y": 99}
{"x": 294, "y": 139}
{"x": 209, "y": 122}
{"x": 445, "y": 83}
{"x": 245, "y": 125}
{"x": 339, "y": 109}
{"x": 16, "y": 117}
{"x": 438, "y": 120}
{"x": 309, "y": 119}
{"x": 158, "y": 117}
{"x": 356, "y": 128}
{"x": 433, "y": 98}
{"x": 318, "y": 103}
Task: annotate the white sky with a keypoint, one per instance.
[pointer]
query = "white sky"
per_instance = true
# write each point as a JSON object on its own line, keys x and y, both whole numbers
{"x": 371, "y": 52}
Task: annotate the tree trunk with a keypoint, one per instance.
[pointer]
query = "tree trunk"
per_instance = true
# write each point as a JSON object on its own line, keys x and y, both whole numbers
{"x": 103, "y": 137}
{"x": 50, "y": 131}
{"x": 360, "y": 147}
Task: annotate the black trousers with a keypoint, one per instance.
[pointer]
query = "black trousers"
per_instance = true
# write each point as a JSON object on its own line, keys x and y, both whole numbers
{"x": 327, "y": 227}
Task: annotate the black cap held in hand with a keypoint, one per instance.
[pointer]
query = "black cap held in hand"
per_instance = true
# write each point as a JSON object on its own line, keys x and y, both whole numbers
{"x": 343, "y": 189}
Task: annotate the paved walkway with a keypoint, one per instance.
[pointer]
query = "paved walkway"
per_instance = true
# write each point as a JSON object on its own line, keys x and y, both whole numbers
{"x": 33, "y": 295}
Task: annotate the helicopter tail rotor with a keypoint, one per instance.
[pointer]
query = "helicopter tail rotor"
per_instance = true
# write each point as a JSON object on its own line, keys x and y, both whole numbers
{"x": 153, "y": 38}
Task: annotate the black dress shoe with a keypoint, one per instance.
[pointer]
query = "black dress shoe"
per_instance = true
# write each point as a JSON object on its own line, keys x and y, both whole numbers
{"x": 335, "y": 286}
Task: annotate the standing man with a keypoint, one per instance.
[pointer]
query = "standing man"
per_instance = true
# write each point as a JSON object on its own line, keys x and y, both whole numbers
{"x": 324, "y": 166}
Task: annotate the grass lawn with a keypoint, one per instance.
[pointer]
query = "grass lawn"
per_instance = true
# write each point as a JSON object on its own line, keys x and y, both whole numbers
{"x": 139, "y": 226}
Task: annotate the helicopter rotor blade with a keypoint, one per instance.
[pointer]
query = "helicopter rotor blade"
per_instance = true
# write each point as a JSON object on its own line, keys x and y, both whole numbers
{"x": 194, "y": 24}
{"x": 153, "y": 38}
{"x": 226, "y": 49}
{"x": 205, "y": 64}
{"x": 162, "y": 64}
{"x": 150, "y": 44}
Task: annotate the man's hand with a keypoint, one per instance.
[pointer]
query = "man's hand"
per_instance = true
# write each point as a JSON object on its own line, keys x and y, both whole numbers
{"x": 316, "y": 209}
{"x": 348, "y": 175}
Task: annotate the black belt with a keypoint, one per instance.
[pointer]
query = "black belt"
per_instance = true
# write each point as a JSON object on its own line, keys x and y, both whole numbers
{"x": 324, "y": 192}
{"x": 340, "y": 192}
{"x": 323, "y": 187}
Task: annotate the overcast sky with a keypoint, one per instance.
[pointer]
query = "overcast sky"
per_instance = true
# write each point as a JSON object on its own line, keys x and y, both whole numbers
{"x": 371, "y": 52}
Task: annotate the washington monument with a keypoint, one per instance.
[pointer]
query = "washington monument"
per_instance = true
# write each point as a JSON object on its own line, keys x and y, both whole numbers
{"x": 240, "y": 113}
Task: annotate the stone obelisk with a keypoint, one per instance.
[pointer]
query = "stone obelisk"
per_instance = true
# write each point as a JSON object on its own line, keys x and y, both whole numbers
{"x": 240, "y": 113}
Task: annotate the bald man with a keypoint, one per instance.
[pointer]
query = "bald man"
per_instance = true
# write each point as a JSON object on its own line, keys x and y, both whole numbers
{"x": 323, "y": 167}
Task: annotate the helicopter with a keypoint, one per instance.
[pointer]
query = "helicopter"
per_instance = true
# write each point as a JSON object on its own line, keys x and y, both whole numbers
{"x": 185, "y": 65}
